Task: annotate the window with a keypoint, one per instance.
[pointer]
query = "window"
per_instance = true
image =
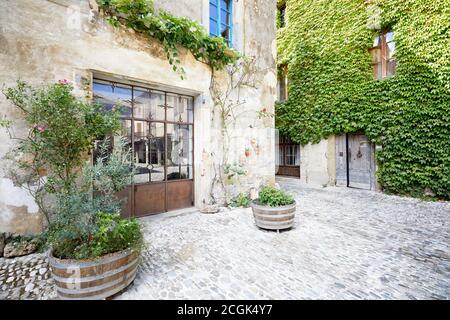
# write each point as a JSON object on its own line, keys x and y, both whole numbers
{"x": 289, "y": 152}
{"x": 282, "y": 87}
{"x": 383, "y": 62}
{"x": 220, "y": 19}
{"x": 282, "y": 13}
{"x": 158, "y": 127}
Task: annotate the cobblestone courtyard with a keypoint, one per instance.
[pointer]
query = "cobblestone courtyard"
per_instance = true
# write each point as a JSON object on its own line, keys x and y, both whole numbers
{"x": 347, "y": 244}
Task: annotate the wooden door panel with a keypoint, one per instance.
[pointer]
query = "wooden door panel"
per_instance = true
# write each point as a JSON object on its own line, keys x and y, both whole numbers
{"x": 149, "y": 199}
{"x": 359, "y": 153}
{"x": 293, "y": 171}
{"x": 180, "y": 194}
{"x": 341, "y": 160}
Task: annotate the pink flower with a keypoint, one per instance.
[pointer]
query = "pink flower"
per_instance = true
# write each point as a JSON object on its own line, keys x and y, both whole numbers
{"x": 39, "y": 128}
{"x": 64, "y": 82}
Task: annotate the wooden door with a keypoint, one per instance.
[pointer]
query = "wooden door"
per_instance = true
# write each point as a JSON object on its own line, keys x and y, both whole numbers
{"x": 359, "y": 162}
{"x": 159, "y": 130}
{"x": 355, "y": 164}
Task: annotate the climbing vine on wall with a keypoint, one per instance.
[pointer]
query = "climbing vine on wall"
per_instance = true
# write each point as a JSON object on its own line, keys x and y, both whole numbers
{"x": 332, "y": 90}
{"x": 171, "y": 31}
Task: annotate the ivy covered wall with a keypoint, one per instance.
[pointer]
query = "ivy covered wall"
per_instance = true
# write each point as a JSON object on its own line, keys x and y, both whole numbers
{"x": 332, "y": 90}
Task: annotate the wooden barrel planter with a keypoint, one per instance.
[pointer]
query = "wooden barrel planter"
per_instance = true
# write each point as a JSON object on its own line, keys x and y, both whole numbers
{"x": 274, "y": 218}
{"x": 94, "y": 279}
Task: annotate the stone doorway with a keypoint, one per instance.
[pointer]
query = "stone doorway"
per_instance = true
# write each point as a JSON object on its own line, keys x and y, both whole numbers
{"x": 355, "y": 162}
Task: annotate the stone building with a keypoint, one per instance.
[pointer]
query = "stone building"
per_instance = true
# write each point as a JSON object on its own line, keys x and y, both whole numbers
{"x": 42, "y": 41}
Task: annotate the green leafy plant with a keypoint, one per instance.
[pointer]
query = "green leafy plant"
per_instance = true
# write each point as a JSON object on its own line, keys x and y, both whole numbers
{"x": 274, "y": 197}
{"x": 88, "y": 224}
{"x": 232, "y": 170}
{"x": 331, "y": 87}
{"x": 61, "y": 129}
{"x": 171, "y": 31}
{"x": 241, "y": 200}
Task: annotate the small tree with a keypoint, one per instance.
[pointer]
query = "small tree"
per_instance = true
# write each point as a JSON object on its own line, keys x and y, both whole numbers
{"x": 61, "y": 130}
{"x": 88, "y": 223}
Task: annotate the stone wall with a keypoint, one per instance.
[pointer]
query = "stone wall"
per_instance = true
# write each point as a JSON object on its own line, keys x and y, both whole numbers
{"x": 42, "y": 41}
{"x": 318, "y": 162}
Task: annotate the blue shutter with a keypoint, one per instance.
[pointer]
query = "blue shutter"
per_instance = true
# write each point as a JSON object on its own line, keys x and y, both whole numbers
{"x": 220, "y": 19}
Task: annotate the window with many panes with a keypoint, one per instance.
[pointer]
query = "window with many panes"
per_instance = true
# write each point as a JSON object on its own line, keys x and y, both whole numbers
{"x": 158, "y": 127}
{"x": 288, "y": 152}
{"x": 383, "y": 50}
{"x": 220, "y": 19}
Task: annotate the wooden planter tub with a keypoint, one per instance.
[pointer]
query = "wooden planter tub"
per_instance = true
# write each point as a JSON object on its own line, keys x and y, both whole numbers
{"x": 94, "y": 279}
{"x": 274, "y": 218}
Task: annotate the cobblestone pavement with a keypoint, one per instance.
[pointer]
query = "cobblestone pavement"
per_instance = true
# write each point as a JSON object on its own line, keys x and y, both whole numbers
{"x": 346, "y": 244}
{"x": 26, "y": 277}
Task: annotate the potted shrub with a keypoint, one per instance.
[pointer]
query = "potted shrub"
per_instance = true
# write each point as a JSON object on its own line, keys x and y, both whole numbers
{"x": 94, "y": 252}
{"x": 274, "y": 209}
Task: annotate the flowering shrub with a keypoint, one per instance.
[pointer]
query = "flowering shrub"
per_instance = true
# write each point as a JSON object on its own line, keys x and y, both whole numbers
{"x": 61, "y": 131}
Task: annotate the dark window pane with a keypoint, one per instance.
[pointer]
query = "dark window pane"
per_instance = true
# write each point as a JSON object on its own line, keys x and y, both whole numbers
{"x": 225, "y": 32}
{"x": 141, "y": 160}
{"x": 281, "y": 156}
{"x": 377, "y": 41}
{"x": 177, "y": 108}
{"x": 122, "y": 95}
{"x": 157, "y": 151}
{"x": 190, "y": 109}
{"x": 391, "y": 68}
{"x": 158, "y": 111}
{"x": 213, "y": 28}
{"x": 103, "y": 94}
{"x": 126, "y": 130}
{"x": 389, "y": 36}
{"x": 213, "y": 12}
{"x": 377, "y": 71}
{"x": 142, "y": 106}
{"x": 283, "y": 16}
{"x": 179, "y": 150}
{"x": 172, "y": 107}
{"x": 376, "y": 55}
{"x": 186, "y": 172}
{"x": 110, "y": 95}
{"x": 390, "y": 50}
{"x": 173, "y": 164}
{"x": 225, "y": 4}
{"x": 224, "y": 17}
{"x": 185, "y": 147}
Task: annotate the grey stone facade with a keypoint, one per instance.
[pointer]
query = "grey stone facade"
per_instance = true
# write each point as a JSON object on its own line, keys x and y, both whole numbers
{"x": 42, "y": 41}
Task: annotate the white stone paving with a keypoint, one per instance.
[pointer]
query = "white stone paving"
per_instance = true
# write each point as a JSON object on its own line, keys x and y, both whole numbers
{"x": 346, "y": 244}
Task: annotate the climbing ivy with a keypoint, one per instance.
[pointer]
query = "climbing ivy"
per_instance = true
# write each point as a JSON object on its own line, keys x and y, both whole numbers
{"x": 171, "y": 31}
{"x": 332, "y": 90}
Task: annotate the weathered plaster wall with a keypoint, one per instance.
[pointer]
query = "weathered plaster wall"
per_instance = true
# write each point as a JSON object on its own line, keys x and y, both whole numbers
{"x": 318, "y": 162}
{"x": 42, "y": 41}
{"x": 192, "y": 9}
